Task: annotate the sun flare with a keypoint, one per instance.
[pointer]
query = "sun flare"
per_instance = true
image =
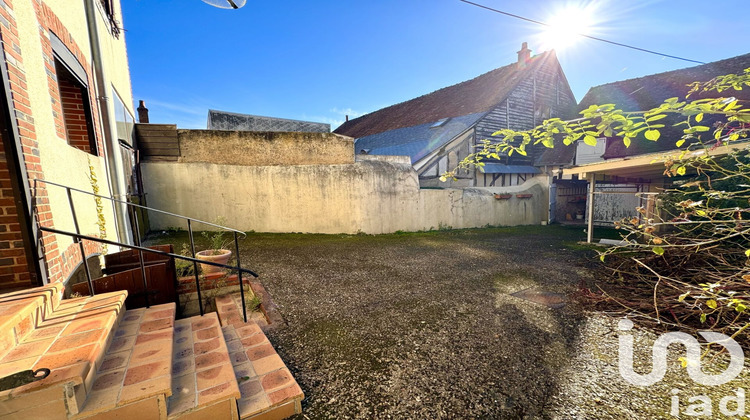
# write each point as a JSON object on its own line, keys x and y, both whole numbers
{"x": 566, "y": 26}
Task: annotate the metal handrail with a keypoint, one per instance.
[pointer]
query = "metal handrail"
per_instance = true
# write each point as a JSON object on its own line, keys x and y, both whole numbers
{"x": 80, "y": 237}
{"x": 114, "y": 200}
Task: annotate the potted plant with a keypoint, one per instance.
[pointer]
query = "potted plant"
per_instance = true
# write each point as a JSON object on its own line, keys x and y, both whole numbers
{"x": 216, "y": 253}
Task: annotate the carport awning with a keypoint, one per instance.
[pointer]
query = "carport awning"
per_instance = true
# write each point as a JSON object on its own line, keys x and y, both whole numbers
{"x": 649, "y": 166}
{"x": 500, "y": 168}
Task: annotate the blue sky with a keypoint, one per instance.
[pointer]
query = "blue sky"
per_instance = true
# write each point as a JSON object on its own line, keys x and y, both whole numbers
{"x": 320, "y": 60}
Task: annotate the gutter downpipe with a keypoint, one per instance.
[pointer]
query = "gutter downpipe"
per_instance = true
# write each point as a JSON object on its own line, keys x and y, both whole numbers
{"x": 109, "y": 128}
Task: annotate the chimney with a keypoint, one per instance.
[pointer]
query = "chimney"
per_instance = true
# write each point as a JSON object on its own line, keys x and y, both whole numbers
{"x": 347, "y": 118}
{"x": 142, "y": 113}
{"x": 523, "y": 55}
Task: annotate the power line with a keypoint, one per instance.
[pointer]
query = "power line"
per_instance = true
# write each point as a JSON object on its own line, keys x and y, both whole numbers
{"x": 583, "y": 35}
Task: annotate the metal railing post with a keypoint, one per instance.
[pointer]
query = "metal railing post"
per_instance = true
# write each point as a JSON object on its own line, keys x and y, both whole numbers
{"x": 239, "y": 276}
{"x": 80, "y": 242}
{"x": 137, "y": 237}
{"x": 195, "y": 266}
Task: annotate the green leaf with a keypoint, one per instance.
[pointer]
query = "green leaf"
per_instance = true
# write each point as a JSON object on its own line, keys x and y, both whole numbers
{"x": 681, "y": 170}
{"x": 741, "y": 307}
{"x": 703, "y": 318}
{"x": 683, "y": 296}
{"x": 590, "y": 140}
{"x": 747, "y": 253}
{"x": 658, "y": 250}
{"x": 699, "y": 117}
{"x": 626, "y": 141}
{"x": 652, "y": 135}
{"x": 601, "y": 257}
{"x": 700, "y": 128}
{"x": 711, "y": 304}
{"x": 656, "y": 117}
{"x": 680, "y": 143}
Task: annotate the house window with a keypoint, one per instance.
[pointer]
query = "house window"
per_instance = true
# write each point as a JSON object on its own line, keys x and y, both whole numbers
{"x": 109, "y": 10}
{"x": 76, "y": 110}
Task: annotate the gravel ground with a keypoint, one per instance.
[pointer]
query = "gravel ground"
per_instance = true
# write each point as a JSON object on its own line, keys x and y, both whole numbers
{"x": 423, "y": 326}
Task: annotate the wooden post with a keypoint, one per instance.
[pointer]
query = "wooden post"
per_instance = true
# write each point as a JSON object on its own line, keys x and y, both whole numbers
{"x": 590, "y": 208}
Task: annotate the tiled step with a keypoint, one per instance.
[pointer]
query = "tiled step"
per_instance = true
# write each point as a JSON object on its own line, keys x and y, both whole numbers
{"x": 70, "y": 342}
{"x": 21, "y": 310}
{"x": 268, "y": 389}
{"x": 203, "y": 384}
{"x": 134, "y": 375}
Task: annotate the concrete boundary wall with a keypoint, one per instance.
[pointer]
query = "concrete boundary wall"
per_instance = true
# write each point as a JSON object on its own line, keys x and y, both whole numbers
{"x": 369, "y": 196}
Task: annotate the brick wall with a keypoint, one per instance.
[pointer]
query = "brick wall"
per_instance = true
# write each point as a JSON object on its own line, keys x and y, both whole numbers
{"x": 74, "y": 114}
{"x": 13, "y": 264}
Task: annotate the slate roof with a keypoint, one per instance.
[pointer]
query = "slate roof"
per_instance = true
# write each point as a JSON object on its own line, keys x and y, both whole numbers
{"x": 650, "y": 91}
{"x": 222, "y": 120}
{"x": 417, "y": 141}
{"x": 479, "y": 94}
{"x": 500, "y": 168}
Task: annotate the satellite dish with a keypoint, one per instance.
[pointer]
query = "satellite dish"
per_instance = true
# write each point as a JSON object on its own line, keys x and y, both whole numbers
{"x": 226, "y": 4}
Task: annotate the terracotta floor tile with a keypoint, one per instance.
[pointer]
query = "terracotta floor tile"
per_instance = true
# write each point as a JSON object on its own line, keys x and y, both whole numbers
{"x": 156, "y": 335}
{"x": 204, "y": 322}
{"x": 141, "y": 390}
{"x": 210, "y": 359}
{"x": 131, "y": 317}
{"x": 141, "y": 373}
{"x": 203, "y": 347}
{"x": 184, "y": 352}
{"x": 109, "y": 380}
{"x": 28, "y": 349}
{"x": 46, "y": 332}
{"x": 285, "y": 394}
{"x": 261, "y": 351}
{"x": 183, "y": 396}
{"x": 128, "y": 330}
{"x": 244, "y": 370}
{"x": 249, "y": 387}
{"x": 218, "y": 392}
{"x": 234, "y": 346}
{"x": 151, "y": 315}
{"x": 238, "y": 357}
{"x": 277, "y": 379}
{"x": 71, "y": 341}
{"x": 249, "y": 329}
{"x": 229, "y": 333}
{"x": 253, "y": 405}
{"x": 150, "y": 351}
{"x": 89, "y": 323}
{"x": 206, "y": 334}
{"x": 69, "y": 357}
{"x": 183, "y": 366}
{"x": 121, "y": 343}
{"x": 268, "y": 364}
{"x": 253, "y": 340}
{"x": 157, "y": 324}
{"x": 114, "y": 361}
{"x": 214, "y": 376}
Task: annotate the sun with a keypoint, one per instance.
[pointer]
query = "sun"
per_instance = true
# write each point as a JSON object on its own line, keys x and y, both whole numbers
{"x": 566, "y": 27}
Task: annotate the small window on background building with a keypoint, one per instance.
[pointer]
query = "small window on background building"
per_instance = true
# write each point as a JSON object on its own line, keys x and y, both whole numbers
{"x": 76, "y": 109}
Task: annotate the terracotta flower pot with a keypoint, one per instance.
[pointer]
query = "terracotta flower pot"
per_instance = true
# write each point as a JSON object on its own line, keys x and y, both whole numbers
{"x": 220, "y": 256}
{"x": 502, "y": 196}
